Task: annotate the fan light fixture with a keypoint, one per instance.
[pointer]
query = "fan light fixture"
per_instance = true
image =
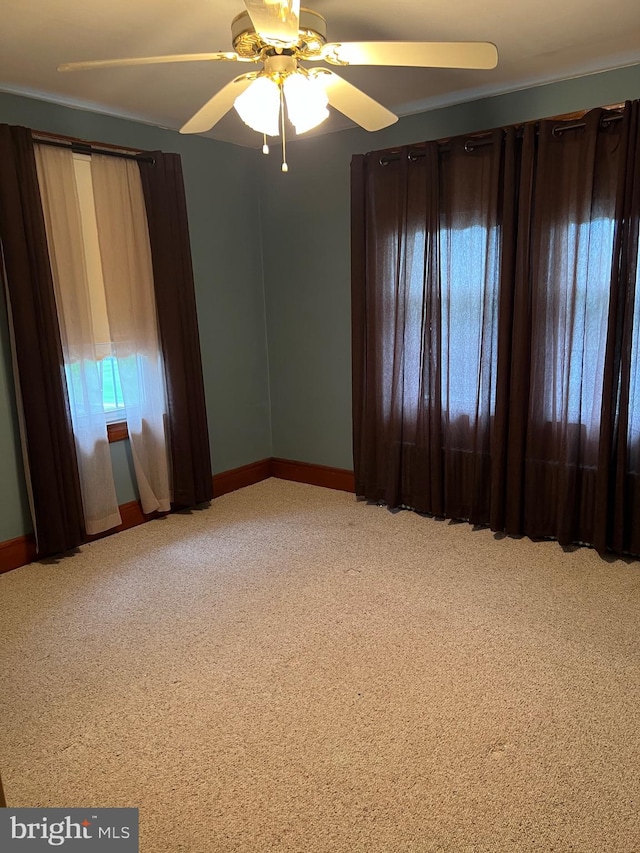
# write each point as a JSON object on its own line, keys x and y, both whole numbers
{"x": 306, "y": 101}
{"x": 261, "y": 106}
{"x": 280, "y": 35}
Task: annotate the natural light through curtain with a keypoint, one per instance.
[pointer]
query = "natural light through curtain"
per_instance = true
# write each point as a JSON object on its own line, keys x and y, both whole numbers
{"x": 572, "y": 312}
{"x": 496, "y": 328}
{"x": 469, "y": 319}
{"x": 82, "y": 351}
{"x": 99, "y": 245}
{"x": 128, "y": 285}
{"x": 97, "y": 300}
{"x": 112, "y": 400}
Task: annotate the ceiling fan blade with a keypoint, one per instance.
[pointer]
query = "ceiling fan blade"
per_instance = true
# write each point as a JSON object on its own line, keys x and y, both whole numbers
{"x": 277, "y": 21}
{"x": 453, "y": 54}
{"x": 228, "y": 56}
{"x": 353, "y": 102}
{"x": 219, "y": 105}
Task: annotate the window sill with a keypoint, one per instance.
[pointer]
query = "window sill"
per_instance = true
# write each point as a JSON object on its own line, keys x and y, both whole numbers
{"x": 117, "y": 431}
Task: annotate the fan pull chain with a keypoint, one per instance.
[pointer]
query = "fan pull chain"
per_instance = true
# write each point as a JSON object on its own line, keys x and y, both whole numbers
{"x": 265, "y": 147}
{"x": 284, "y": 167}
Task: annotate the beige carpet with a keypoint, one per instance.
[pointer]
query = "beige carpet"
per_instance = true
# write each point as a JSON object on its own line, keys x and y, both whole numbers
{"x": 292, "y": 670}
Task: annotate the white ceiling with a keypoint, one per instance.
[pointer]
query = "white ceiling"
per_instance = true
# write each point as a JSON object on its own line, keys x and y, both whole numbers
{"x": 537, "y": 42}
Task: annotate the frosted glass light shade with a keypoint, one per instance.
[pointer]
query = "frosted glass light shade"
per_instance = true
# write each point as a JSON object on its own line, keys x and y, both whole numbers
{"x": 306, "y": 101}
{"x": 259, "y": 106}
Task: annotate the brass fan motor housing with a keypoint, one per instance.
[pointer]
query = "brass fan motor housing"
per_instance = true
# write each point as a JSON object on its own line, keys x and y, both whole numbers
{"x": 312, "y": 37}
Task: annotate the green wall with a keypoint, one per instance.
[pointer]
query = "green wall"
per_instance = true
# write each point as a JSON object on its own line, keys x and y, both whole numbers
{"x": 306, "y": 234}
{"x": 224, "y": 219}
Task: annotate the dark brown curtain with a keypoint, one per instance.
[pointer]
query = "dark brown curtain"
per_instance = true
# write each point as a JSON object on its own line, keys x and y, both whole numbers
{"x": 176, "y": 305}
{"x": 617, "y": 506}
{"x": 495, "y": 330}
{"x": 50, "y": 461}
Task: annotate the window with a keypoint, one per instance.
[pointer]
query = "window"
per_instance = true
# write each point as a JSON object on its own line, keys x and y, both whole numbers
{"x": 469, "y": 316}
{"x": 523, "y": 242}
{"x": 98, "y": 239}
{"x": 468, "y": 310}
{"x": 579, "y": 256}
{"x": 112, "y": 397}
{"x": 574, "y": 285}
{"x": 141, "y": 213}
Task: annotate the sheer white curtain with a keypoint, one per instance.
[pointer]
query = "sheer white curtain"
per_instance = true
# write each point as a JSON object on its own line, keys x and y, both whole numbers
{"x": 128, "y": 283}
{"x": 81, "y": 350}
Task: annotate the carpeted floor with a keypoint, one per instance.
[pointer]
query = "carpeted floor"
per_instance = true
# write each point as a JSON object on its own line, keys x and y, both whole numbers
{"x": 293, "y": 670}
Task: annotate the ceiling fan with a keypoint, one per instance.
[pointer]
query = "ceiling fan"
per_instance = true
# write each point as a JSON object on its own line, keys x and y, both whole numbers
{"x": 280, "y": 36}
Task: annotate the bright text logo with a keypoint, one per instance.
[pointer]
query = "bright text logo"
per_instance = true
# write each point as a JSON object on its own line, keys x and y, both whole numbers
{"x": 100, "y": 830}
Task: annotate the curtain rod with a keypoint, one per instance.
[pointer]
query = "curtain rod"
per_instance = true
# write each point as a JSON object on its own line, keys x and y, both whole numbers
{"x": 480, "y": 140}
{"x": 87, "y": 148}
